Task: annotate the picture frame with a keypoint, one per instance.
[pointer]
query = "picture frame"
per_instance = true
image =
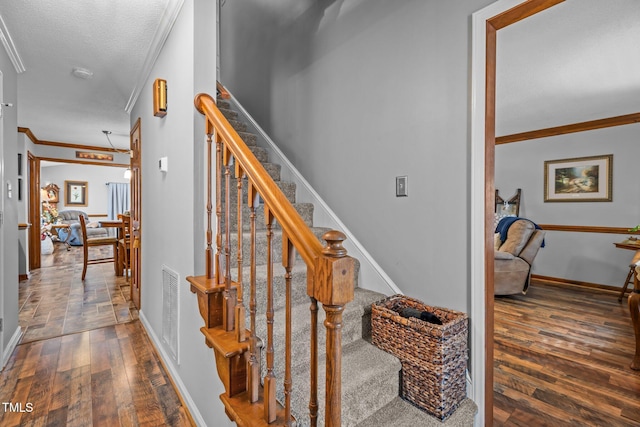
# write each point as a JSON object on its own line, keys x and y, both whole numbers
{"x": 76, "y": 193}
{"x": 88, "y": 155}
{"x": 580, "y": 179}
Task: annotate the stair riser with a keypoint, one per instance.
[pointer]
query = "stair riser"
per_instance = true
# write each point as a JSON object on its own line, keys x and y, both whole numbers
{"x": 300, "y": 336}
{"x": 361, "y": 395}
{"x": 298, "y": 290}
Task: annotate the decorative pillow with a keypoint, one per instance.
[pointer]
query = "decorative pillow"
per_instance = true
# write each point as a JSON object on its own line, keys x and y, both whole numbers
{"x": 517, "y": 237}
{"x": 93, "y": 225}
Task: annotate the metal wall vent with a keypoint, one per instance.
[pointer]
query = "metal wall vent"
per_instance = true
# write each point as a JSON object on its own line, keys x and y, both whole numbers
{"x": 170, "y": 311}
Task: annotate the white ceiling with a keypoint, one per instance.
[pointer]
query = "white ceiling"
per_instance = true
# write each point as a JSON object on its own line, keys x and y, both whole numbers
{"x": 115, "y": 39}
{"x": 577, "y": 61}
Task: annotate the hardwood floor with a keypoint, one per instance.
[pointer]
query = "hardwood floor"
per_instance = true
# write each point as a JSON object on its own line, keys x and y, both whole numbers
{"x": 562, "y": 358}
{"x": 106, "y": 375}
{"x": 54, "y": 301}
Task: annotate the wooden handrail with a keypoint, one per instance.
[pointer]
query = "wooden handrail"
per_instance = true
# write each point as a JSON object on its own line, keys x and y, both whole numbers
{"x": 308, "y": 246}
{"x": 330, "y": 281}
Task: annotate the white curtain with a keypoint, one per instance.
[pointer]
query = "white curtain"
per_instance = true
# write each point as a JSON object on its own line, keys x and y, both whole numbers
{"x": 118, "y": 199}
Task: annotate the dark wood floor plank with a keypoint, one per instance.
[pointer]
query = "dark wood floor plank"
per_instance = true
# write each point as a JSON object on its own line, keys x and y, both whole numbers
{"x": 80, "y": 412}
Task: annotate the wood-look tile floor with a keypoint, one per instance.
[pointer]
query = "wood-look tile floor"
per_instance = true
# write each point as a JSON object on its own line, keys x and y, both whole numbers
{"x": 562, "y": 359}
{"x": 54, "y": 301}
{"x": 85, "y": 359}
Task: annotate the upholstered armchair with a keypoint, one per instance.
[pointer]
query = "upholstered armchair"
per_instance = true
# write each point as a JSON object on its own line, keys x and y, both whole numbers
{"x": 514, "y": 256}
{"x": 71, "y": 217}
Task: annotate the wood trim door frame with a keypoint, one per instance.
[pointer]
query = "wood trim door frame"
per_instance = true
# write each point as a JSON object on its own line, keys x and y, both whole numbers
{"x": 135, "y": 256}
{"x": 34, "y": 201}
{"x": 485, "y": 25}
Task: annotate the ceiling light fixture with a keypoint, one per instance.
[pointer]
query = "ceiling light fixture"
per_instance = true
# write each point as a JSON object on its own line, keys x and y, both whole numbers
{"x": 107, "y": 133}
{"x": 127, "y": 172}
{"x": 82, "y": 73}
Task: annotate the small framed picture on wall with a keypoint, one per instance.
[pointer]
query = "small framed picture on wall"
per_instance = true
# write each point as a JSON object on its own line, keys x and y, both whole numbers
{"x": 76, "y": 193}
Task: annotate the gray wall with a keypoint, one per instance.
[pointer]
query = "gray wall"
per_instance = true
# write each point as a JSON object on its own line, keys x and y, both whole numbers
{"x": 587, "y": 257}
{"x": 171, "y": 226}
{"x": 9, "y": 206}
{"x": 357, "y": 94}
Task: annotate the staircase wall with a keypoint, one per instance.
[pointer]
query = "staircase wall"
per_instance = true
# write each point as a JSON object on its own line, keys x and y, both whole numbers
{"x": 355, "y": 94}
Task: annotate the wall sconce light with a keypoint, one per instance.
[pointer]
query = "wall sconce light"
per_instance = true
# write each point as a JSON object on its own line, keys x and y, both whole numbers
{"x": 160, "y": 98}
{"x": 127, "y": 173}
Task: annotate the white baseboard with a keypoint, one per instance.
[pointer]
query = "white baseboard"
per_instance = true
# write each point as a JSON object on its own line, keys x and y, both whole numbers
{"x": 371, "y": 275}
{"x": 175, "y": 377}
{"x": 8, "y": 351}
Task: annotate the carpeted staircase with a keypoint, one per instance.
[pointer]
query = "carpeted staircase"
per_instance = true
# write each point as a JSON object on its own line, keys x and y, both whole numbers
{"x": 370, "y": 376}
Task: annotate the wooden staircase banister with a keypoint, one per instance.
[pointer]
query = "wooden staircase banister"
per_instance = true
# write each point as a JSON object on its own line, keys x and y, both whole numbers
{"x": 330, "y": 281}
{"x": 306, "y": 243}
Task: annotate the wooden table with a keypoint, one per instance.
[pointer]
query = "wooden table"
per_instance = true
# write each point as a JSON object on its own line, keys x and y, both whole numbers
{"x": 634, "y": 301}
{"x": 114, "y": 224}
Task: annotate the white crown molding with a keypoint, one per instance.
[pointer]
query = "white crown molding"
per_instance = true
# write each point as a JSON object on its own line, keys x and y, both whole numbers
{"x": 7, "y": 42}
{"x": 164, "y": 28}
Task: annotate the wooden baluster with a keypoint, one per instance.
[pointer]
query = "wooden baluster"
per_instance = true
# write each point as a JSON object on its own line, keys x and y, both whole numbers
{"x": 209, "y": 251}
{"x": 288, "y": 259}
{"x": 240, "y": 311}
{"x": 229, "y": 301}
{"x": 218, "y": 267}
{"x": 334, "y": 287}
{"x": 313, "y": 398}
{"x": 269, "y": 379}
{"x": 253, "y": 378}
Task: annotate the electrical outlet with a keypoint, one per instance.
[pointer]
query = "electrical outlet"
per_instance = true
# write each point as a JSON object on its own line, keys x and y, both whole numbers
{"x": 401, "y": 186}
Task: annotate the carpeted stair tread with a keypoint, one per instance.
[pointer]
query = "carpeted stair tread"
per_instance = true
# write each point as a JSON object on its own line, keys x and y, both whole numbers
{"x": 369, "y": 382}
{"x": 400, "y": 413}
{"x": 249, "y": 138}
{"x": 228, "y": 113}
{"x": 261, "y": 249}
{"x": 221, "y": 103}
{"x": 353, "y": 324}
{"x": 287, "y": 188}
{"x": 305, "y": 210}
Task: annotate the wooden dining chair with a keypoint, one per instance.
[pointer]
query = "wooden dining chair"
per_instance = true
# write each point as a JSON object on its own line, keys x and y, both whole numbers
{"x": 124, "y": 240}
{"x": 94, "y": 242}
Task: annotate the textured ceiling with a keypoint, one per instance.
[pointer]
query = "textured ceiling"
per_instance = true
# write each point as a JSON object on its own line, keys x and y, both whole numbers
{"x": 577, "y": 61}
{"x": 111, "y": 38}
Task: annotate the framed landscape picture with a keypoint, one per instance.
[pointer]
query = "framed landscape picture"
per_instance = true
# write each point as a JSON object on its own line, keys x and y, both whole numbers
{"x": 583, "y": 179}
{"x": 75, "y": 193}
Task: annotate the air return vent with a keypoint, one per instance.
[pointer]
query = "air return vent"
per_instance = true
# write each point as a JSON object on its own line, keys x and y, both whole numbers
{"x": 170, "y": 311}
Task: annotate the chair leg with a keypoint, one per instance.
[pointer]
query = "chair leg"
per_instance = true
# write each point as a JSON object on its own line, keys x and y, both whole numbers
{"x": 85, "y": 260}
{"x": 628, "y": 280}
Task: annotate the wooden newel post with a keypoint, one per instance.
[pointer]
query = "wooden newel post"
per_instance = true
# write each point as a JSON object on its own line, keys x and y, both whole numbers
{"x": 334, "y": 287}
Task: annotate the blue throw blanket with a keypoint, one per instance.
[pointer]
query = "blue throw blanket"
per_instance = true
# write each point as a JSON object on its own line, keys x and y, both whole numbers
{"x": 505, "y": 223}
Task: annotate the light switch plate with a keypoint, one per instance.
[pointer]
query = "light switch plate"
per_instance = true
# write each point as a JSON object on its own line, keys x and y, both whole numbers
{"x": 401, "y": 186}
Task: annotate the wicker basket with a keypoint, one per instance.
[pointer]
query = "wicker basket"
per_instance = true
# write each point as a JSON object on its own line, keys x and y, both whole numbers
{"x": 434, "y": 357}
